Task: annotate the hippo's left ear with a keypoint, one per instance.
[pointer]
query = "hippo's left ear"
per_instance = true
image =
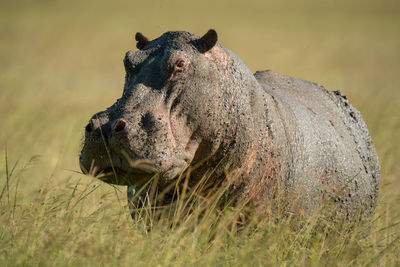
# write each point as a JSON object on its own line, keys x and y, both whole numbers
{"x": 208, "y": 41}
{"x": 142, "y": 40}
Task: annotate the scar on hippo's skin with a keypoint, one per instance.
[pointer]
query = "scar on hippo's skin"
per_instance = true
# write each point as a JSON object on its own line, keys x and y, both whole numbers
{"x": 231, "y": 100}
{"x": 171, "y": 126}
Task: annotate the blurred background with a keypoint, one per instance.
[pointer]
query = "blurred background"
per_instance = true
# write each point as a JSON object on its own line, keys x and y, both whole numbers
{"x": 61, "y": 61}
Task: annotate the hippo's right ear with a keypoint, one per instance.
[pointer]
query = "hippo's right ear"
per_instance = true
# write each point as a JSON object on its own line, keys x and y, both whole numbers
{"x": 208, "y": 41}
{"x": 142, "y": 40}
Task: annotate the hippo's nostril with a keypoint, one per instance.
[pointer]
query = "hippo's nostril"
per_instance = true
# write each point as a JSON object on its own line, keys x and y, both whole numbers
{"x": 88, "y": 128}
{"x": 92, "y": 126}
{"x": 119, "y": 125}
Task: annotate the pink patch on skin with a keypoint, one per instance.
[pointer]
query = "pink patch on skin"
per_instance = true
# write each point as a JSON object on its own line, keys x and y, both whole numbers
{"x": 254, "y": 190}
{"x": 220, "y": 57}
{"x": 172, "y": 74}
{"x": 250, "y": 160}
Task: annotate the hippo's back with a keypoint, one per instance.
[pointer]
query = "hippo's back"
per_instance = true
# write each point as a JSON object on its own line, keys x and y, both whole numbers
{"x": 329, "y": 152}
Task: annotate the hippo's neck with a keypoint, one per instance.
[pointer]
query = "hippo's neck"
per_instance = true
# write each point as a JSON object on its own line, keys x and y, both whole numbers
{"x": 247, "y": 148}
{"x": 256, "y": 154}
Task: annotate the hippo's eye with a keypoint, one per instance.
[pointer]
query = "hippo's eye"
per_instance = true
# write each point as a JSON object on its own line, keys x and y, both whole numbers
{"x": 180, "y": 64}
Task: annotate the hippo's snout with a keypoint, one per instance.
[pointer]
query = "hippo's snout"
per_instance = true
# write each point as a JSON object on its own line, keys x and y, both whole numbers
{"x": 129, "y": 150}
{"x": 102, "y": 153}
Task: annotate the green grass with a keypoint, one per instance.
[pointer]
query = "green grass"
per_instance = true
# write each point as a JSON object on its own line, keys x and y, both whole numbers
{"x": 61, "y": 61}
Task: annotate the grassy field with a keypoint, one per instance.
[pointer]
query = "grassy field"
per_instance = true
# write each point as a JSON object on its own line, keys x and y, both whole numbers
{"x": 61, "y": 61}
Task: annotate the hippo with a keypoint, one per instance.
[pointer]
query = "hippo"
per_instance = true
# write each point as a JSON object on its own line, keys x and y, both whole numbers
{"x": 189, "y": 103}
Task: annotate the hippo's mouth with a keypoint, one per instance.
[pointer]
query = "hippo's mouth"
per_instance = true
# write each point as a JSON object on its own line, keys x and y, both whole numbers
{"x": 134, "y": 176}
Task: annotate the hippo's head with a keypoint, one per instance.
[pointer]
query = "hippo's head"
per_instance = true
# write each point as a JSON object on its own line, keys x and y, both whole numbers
{"x": 173, "y": 110}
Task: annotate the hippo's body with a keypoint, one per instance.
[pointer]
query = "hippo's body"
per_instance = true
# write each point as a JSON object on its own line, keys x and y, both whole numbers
{"x": 189, "y": 101}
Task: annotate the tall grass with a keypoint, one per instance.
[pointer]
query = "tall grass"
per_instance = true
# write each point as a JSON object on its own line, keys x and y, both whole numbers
{"x": 81, "y": 223}
{"x": 61, "y": 61}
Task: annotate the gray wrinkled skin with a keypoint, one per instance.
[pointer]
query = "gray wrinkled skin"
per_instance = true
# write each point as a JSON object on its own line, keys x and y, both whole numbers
{"x": 276, "y": 134}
